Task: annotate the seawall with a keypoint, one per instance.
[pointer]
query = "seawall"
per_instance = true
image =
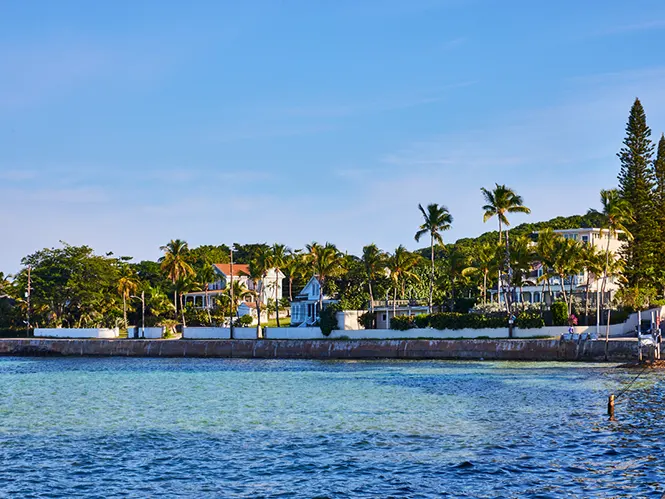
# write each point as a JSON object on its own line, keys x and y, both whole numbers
{"x": 487, "y": 349}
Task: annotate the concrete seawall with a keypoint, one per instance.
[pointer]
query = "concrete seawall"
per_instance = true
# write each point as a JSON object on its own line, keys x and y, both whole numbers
{"x": 533, "y": 350}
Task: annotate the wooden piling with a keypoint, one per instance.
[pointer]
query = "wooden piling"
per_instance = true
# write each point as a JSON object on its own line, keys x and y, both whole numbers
{"x": 610, "y": 407}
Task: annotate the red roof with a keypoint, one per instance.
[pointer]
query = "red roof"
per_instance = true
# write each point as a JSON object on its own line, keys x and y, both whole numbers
{"x": 239, "y": 269}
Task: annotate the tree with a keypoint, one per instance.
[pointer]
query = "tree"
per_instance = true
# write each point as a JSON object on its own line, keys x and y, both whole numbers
{"x": 435, "y": 220}
{"x": 259, "y": 265}
{"x": 485, "y": 261}
{"x": 616, "y": 215}
{"x": 566, "y": 262}
{"x": 206, "y": 276}
{"x": 500, "y": 201}
{"x": 402, "y": 265}
{"x": 326, "y": 262}
{"x": 127, "y": 285}
{"x": 521, "y": 258}
{"x": 278, "y": 260}
{"x": 636, "y": 184}
{"x": 174, "y": 264}
{"x": 659, "y": 200}
{"x": 374, "y": 262}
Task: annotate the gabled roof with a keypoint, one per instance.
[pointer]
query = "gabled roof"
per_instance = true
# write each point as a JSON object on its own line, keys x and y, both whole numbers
{"x": 239, "y": 269}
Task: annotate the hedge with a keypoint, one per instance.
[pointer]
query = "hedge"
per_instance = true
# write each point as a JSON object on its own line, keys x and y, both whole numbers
{"x": 447, "y": 320}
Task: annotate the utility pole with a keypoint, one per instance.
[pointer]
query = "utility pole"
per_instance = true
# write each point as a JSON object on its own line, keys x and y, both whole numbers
{"x": 27, "y": 296}
{"x": 232, "y": 301}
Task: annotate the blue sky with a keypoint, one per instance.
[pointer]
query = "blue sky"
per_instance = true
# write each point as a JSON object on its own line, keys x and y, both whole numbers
{"x": 124, "y": 124}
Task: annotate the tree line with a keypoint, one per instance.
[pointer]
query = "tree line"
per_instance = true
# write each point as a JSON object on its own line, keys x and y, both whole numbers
{"x": 74, "y": 287}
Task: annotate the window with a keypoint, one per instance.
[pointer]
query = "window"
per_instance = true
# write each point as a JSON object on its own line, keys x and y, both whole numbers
{"x": 585, "y": 239}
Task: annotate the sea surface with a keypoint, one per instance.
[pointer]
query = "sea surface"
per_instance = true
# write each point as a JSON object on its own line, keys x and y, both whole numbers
{"x": 117, "y": 427}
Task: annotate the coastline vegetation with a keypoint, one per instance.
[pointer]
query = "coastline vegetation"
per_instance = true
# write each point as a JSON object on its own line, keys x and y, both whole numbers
{"x": 72, "y": 286}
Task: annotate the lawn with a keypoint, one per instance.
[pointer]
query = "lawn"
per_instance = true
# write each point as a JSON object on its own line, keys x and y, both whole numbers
{"x": 283, "y": 322}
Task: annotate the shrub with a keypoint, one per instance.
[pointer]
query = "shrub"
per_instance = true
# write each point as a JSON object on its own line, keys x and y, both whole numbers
{"x": 328, "y": 319}
{"x": 422, "y": 321}
{"x": 243, "y": 321}
{"x": 402, "y": 323}
{"x": 366, "y": 320}
{"x": 529, "y": 320}
{"x": 619, "y": 316}
{"x": 559, "y": 313}
{"x": 452, "y": 320}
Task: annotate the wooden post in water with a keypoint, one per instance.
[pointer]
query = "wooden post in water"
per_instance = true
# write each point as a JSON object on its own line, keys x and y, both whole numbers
{"x": 610, "y": 407}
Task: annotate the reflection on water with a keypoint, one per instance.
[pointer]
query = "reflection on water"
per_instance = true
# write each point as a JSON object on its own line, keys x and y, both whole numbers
{"x": 264, "y": 428}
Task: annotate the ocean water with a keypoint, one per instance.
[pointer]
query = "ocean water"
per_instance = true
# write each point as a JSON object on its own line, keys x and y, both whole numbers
{"x": 116, "y": 427}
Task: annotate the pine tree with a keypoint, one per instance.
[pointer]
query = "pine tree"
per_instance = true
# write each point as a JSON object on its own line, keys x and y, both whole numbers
{"x": 659, "y": 199}
{"x": 636, "y": 185}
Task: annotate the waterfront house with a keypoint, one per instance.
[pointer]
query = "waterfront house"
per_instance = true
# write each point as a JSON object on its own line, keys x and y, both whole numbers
{"x": 384, "y": 310}
{"x": 537, "y": 290}
{"x": 207, "y": 299}
{"x": 305, "y": 305}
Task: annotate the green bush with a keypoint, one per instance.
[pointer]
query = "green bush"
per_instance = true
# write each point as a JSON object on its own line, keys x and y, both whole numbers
{"x": 619, "y": 316}
{"x": 243, "y": 321}
{"x": 328, "y": 319}
{"x": 559, "y": 313}
{"x": 422, "y": 321}
{"x": 366, "y": 320}
{"x": 529, "y": 320}
{"x": 402, "y": 323}
{"x": 447, "y": 320}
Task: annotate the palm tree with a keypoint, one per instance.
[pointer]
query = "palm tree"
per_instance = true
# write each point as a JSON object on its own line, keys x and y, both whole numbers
{"x": 521, "y": 257}
{"x": 566, "y": 263}
{"x": 126, "y": 286}
{"x": 484, "y": 261}
{"x": 374, "y": 262}
{"x": 278, "y": 260}
{"x": 185, "y": 284}
{"x": 205, "y": 277}
{"x": 616, "y": 213}
{"x": 544, "y": 253}
{"x": 259, "y": 265}
{"x": 327, "y": 262}
{"x": 402, "y": 265}
{"x": 174, "y": 264}
{"x": 500, "y": 201}
{"x": 293, "y": 268}
{"x": 592, "y": 261}
{"x": 435, "y": 220}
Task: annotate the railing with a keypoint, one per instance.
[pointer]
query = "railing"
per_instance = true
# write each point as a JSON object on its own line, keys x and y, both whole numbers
{"x": 398, "y": 303}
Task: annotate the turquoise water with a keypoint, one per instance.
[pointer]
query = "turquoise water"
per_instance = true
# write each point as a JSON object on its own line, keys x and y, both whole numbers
{"x": 113, "y": 427}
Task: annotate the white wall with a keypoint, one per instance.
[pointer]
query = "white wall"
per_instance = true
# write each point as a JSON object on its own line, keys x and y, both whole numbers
{"x": 149, "y": 333}
{"x": 348, "y": 319}
{"x": 244, "y": 333}
{"x": 76, "y": 333}
{"x": 293, "y": 333}
{"x": 220, "y": 333}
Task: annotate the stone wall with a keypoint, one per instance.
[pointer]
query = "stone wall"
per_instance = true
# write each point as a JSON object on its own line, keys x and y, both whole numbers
{"x": 516, "y": 349}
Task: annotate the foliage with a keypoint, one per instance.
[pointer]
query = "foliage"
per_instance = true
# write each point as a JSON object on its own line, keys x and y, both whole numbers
{"x": 559, "y": 311}
{"x": 447, "y": 320}
{"x": 367, "y": 320}
{"x": 529, "y": 320}
{"x": 328, "y": 319}
{"x": 243, "y": 321}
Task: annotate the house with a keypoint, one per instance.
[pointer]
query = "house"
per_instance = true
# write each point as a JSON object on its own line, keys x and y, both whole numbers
{"x": 385, "y": 310}
{"x": 305, "y": 305}
{"x": 535, "y": 290}
{"x": 207, "y": 298}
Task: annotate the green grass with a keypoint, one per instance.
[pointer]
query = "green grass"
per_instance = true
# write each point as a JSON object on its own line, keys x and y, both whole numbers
{"x": 283, "y": 322}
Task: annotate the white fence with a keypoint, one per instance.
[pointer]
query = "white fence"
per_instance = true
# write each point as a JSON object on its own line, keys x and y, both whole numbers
{"x": 221, "y": 333}
{"x": 76, "y": 332}
{"x": 152, "y": 333}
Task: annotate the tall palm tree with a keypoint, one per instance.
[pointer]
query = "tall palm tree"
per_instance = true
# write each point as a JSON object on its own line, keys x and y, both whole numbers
{"x": 327, "y": 262}
{"x": 616, "y": 213}
{"x": 567, "y": 262}
{"x": 484, "y": 261}
{"x": 186, "y": 284}
{"x": 259, "y": 265}
{"x": 126, "y": 286}
{"x": 205, "y": 276}
{"x": 402, "y": 265}
{"x": 521, "y": 258}
{"x": 436, "y": 219}
{"x": 374, "y": 262}
{"x": 592, "y": 261}
{"x": 500, "y": 201}
{"x": 293, "y": 267}
{"x": 278, "y": 260}
{"x": 545, "y": 255}
{"x": 174, "y": 264}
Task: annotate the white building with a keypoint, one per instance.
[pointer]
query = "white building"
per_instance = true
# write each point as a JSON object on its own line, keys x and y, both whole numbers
{"x": 222, "y": 271}
{"x": 305, "y": 305}
{"x": 537, "y": 291}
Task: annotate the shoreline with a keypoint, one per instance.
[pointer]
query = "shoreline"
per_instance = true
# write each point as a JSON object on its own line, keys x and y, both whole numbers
{"x": 545, "y": 350}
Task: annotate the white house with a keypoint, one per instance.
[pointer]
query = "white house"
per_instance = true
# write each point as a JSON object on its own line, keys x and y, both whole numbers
{"x": 536, "y": 291}
{"x": 386, "y": 310}
{"x": 207, "y": 299}
{"x": 305, "y": 305}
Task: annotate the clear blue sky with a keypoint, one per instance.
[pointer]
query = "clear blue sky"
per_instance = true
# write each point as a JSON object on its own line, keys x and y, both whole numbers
{"x": 124, "y": 124}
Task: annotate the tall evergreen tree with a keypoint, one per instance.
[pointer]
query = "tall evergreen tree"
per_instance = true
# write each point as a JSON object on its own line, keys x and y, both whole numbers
{"x": 636, "y": 186}
{"x": 659, "y": 199}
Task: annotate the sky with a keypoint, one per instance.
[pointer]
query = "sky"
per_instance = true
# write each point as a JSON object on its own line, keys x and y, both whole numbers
{"x": 124, "y": 124}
